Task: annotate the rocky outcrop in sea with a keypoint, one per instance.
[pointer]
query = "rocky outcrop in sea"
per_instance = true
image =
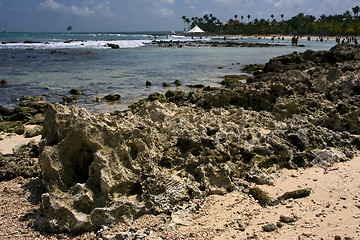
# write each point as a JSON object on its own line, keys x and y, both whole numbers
{"x": 165, "y": 151}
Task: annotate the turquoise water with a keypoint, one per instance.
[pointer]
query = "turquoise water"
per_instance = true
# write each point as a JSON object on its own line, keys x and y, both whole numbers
{"x": 86, "y": 63}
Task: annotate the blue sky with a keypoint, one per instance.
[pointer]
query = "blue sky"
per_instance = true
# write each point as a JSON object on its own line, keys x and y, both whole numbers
{"x": 148, "y": 15}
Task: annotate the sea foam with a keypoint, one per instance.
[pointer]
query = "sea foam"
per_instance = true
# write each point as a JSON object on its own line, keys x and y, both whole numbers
{"x": 75, "y": 44}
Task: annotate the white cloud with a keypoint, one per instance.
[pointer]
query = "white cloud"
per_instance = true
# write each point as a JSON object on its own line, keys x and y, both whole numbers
{"x": 223, "y": 1}
{"x": 167, "y": 1}
{"x": 86, "y": 9}
{"x": 103, "y": 9}
{"x": 231, "y": 4}
{"x": 190, "y": 4}
{"x": 165, "y": 12}
{"x": 160, "y": 8}
{"x": 286, "y": 3}
{"x": 227, "y": 2}
{"x": 250, "y": 3}
{"x": 51, "y": 5}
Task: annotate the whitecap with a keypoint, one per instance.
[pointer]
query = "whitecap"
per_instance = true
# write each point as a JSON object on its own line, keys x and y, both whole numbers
{"x": 76, "y": 44}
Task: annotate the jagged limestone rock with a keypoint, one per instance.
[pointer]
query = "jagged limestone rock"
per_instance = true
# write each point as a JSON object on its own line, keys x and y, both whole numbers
{"x": 105, "y": 168}
{"x": 108, "y": 169}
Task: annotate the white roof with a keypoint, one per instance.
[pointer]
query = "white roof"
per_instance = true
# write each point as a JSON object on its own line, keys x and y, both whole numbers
{"x": 196, "y": 29}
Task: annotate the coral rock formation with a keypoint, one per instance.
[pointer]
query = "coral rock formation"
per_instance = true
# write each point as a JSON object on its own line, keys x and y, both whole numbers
{"x": 156, "y": 157}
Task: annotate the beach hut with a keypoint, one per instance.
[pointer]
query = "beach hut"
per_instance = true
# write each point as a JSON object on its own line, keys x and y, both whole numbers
{"x": 196, "y": 31}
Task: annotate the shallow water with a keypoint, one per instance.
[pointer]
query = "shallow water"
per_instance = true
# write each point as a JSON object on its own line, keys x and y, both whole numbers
{"x": 89, "y": 65}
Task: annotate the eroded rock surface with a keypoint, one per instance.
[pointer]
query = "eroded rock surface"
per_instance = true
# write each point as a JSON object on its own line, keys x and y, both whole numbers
{"x": 105, "y": 168}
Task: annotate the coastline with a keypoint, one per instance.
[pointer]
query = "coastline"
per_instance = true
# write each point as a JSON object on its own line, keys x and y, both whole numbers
{"x": 279, "y": 36}
{"x": 209, "y": 118}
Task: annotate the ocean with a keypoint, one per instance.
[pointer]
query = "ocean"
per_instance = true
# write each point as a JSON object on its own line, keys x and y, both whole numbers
{"x": 51, "y": 64}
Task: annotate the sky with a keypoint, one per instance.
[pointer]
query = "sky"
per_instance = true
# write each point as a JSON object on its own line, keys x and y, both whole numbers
{"x": 148, "y": 15}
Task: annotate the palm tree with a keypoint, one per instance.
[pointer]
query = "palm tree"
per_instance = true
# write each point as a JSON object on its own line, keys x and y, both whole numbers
{"x": 206, "y": 17}
{"x": 282, "y": 17}
{"x": 188, "y": 23}
{"x": 248, "y": 16}
{"x": 193, "y": 22}
{"x": 184, "y": 19}
{"x": 356, "y": 10}
{"x": 323, "y": 18}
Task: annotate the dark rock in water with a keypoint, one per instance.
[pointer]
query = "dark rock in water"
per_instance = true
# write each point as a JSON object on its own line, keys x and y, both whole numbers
{"x": 3, "y": 82}
{"x": 195, "y": 86}
{"x": 70, "y": 100}
{"x": 175, "y": 95}
{"x": 166, "y": 85}
{"x": 177, "y": 82}
{"x": 112, "y": 97}
{"x": 26, "y": 98}
{"x": 148, "y": 83}
{"x": 37, "y": 107}
{"x": 6, "y": 111}
{"x": 76, "y": 91}
{"x": 210, "y": 88}
{"x": 156, "y": 96}
{"x": 8, "y": 42}
{"x": 31, "y": 42}
{"x": 252, "y": 68}
{"x": 113, "y": 46}
{"x": 233, "y": 79}
{"x": 96, "y": 100}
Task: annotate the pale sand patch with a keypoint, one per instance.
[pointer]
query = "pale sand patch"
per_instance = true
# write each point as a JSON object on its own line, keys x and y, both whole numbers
{"x": 9, "y": 141}
{"x": 333, "y": 208}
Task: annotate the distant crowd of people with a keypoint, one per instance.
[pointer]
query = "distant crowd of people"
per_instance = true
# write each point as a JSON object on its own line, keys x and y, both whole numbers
{"x": 346, "y": 40}
{"x": 339, "y": 40}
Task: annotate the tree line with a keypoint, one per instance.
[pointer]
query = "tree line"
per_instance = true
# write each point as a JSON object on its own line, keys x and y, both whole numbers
{"x": 347, "y": 23}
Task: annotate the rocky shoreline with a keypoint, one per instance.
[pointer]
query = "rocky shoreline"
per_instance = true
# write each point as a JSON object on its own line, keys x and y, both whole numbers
{"x": 171, "y": 151}
{"x": 180, "y": 44}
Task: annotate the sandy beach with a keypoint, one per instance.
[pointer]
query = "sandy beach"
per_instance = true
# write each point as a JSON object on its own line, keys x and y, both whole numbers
{"x": 9, "y": 141}
{"x": 332, "y": 211}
